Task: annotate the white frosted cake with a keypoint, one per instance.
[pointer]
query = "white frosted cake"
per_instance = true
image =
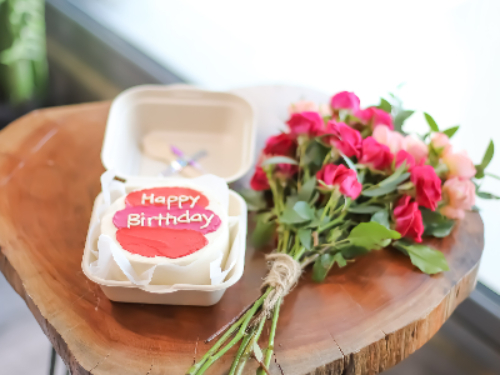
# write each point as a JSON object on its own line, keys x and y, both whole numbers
{"x": 174, "y": 223}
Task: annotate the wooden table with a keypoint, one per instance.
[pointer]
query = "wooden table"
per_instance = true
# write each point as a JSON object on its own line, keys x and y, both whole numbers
{"x": 363, "y": 319}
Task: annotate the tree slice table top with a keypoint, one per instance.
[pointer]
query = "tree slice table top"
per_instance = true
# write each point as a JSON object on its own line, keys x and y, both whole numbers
{"x": 363, "y": 319}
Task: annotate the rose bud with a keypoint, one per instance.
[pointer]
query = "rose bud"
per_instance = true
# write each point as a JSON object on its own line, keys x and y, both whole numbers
{"x": 375, "y": 155}
{"x": 345, "y": 100}
{"x": 303, "y": 106}
{"x": 283, "y": 144}
{"x": 345, "y": 138}
{"x": 409, "y": 219}
{"x": 339, "y": 177}
{"x": 285, "y": 171}
{"x": 309, "y": 123}
{"x": 375, "y": 117}
{"x": 417, "y": 148}
{"x": 404, "y": 156}
{"x": 460, "y": 196}
{"x": 259, "y": 180}
{"x": 459, "y": 165}
{"x": 427, "y": 186}
{"x": 441, "y": 143}
{"x": 388, "y": 137}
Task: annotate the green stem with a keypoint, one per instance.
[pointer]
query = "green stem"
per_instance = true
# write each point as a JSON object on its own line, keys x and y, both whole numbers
{"x": 249, "y": 348}
{"x": 242, "y": 347}
{"x": 270, "y": 348}
{"x": 211, "y": 356}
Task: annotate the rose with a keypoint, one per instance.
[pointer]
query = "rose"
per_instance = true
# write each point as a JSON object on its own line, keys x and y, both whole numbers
{"x": 403, "y": 156}
{"x": 409, "y": 219}
{"x": 459, "y": 165}
{"x": 341, "y": 177}
{"x": 441, "y": 143}
{"x": 345, "y": 100}
{"x": 285, "y": 171}
{"x": 392, "y": 139}
{"x": 309, "y": 123}
{"x": 282, "y": 144}
{"x": 303, "y": 106}
{"x": 374, "y": 116}
{"x": 259, "y": 180}
{"x": 345, "y": 138}
{"x": 460, "y": 195}
{"x": 417, "y": 148}
{"x": 375, "y": 155}
{"x": 325, "y": 110}
{"x": 427, "y": 186}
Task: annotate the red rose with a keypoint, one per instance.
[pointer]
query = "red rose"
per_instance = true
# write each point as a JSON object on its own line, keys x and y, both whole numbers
{"x": 409, "y": 219}
{"x": 341, "y": 176}
{"x": 345, "y": 100}
{"x": 346, "y": 139}
{"x": 285, "y": 171}
{"x": 427, "y": 186}
{"x": 282, "y": 144}
{"x": 309, "y": 123}
{"x": 259, "y": 180}
{"x": 402, "y": 156}
{"x": 375, "y": 155}
{"x": 374, "y": 116}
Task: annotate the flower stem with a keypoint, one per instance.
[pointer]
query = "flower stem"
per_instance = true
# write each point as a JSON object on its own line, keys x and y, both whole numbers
{"x": 242, "y": 347}
{"x": 249, "y": 348}
{"x": 212, "y": 355}
{"x": 270, "y": 347}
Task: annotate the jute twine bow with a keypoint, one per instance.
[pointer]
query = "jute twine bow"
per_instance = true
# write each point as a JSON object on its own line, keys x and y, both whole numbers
{"x": 283, "y": 275}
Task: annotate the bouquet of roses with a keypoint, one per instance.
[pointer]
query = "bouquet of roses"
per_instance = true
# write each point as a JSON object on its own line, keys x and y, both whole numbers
{"x": 341, "y": 182}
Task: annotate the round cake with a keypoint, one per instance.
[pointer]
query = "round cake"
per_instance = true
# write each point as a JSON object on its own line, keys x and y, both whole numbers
{"x": 174, "y": 223}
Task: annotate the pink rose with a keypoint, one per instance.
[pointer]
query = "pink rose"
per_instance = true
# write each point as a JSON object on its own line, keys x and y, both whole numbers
{"x": 417, "y": 148}
{"x": 392, "y": 139}
{"x": 283, "y": 144}
{"x": 459, "y": 165}
{"x": 303, "y": 106}
{"x": 342, "y": 177}
{"x": 345, "y": 138}
{"x": 427, "y": 186}
{"x": 375, "y": 155}
{"x": 441, "y": 143}
{"x": 259, "y": 180}
{"x": 285, "y": 171}
{"x": 374, "y": 117}
{"x": 460, "y": 195}
{"x": 409, "y": 219}
{"x": 402, "y": 156}
{"x": 345, "y": 100}
{"x": 309, "y": 123}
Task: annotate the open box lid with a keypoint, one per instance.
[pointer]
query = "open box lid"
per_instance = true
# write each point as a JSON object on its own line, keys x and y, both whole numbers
{"x": 188, "y": 118}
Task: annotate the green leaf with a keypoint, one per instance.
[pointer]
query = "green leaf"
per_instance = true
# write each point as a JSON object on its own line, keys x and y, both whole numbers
{"x": 263, "y": 232}
{"x": 492, "y": 175}
{"x": 350, "y": 251}
{"x": 381, "y": 217}
{"x": 378, "y": 191}
{"x": 349, "y": 163}
{"x": 488, "y": 155}
{"x": 372, "y": 235}
{"x": 485, "y": 195}
{"x": 307, "y": 190}
{"x": 324, "y": 263}
{"x": 279, "y": 160}
{"x": 400, "y": 118}
{"x": 436, "y": 224}
{"x": 334, "y": 235}
{"x": 304, "y": 210}
{"x": 451, "y": 131}
{"x": 255, "y": 199}
{"x": 364, "y": 209}
{"x": 385, "y": 105}
{"x": 427, "y": 260}
{"x": 396, "y": 178}
{"x": 290, "y": 216}
{"x": 305, "y": 237}
{"x": 432, "y": 124}
{"x": 479, "y": 172}
{"x": 257, "y": 352}
{"x": 315, "y": 153}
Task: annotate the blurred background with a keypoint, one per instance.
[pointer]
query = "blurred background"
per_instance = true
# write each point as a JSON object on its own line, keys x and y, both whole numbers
{"x": 441, "y": 56}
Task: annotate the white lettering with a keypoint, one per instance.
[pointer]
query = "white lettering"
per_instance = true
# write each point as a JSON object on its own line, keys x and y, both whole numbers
{"x": 184, "y": 218}
{"x": 133, "y": 220}
{"x": 207, "y": 220}
{"x": 171, "y": 199}
{"x": 182, "y": 199}
{"x": 160, "y": 200}
{"x": 145, "y": 198}
{"x": 196, "y": 218}
{"x": 194, "y": 200}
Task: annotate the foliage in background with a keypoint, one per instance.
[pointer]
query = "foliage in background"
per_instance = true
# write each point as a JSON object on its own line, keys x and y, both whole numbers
{"x": 23, "y": 61}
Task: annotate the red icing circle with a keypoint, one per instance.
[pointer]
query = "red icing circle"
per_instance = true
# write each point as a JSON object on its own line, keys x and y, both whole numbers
{"x": 170, "y": 243}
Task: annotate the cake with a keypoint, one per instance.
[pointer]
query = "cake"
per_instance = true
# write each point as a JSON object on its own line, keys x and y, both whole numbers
{"x": 172, "y": 223}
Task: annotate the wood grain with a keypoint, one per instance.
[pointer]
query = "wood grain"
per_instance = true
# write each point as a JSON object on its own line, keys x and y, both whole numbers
{"x": 364, "y": 319}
